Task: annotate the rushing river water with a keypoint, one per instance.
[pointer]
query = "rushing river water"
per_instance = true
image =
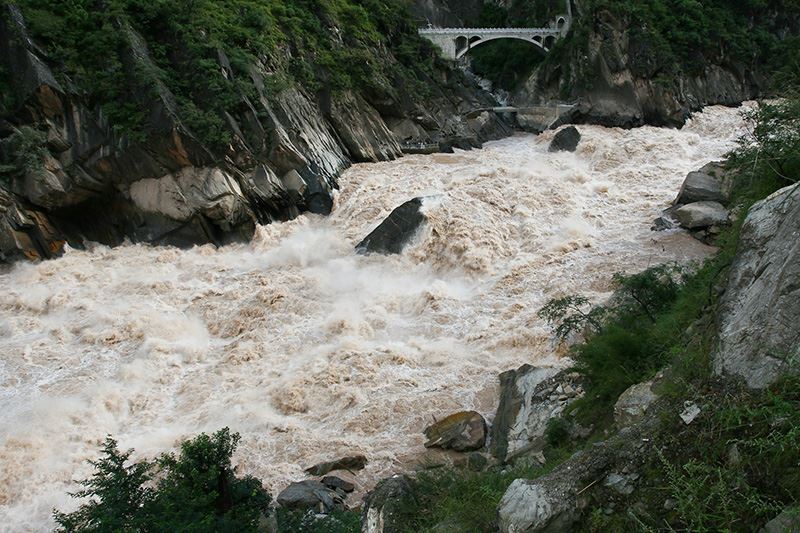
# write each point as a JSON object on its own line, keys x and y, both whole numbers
{"x": 310, "y": 351}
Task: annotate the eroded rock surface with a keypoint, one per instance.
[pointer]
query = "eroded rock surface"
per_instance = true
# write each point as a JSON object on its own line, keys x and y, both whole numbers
{"x": 759, "y": 319}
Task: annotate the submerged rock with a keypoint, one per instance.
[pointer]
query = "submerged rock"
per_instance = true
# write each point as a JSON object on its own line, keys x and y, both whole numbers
{"x": 354, "y": 462}
{"x": 566, "y": 140}
{"x": 392, "y": 235}
{"x": 702, "y": 215}
{"x": 462, "y": 432}
{"x": 759, "y": 322}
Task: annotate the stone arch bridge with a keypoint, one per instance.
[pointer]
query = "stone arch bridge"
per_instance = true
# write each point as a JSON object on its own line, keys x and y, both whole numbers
{"x": 455, "y": 43}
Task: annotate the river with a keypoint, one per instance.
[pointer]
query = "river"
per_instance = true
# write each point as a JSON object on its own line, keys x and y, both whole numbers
{"x": 310, "y": 351}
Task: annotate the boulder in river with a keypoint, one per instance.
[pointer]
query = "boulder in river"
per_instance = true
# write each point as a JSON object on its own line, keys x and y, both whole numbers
{"x": 702, "y": 215}
{"x": 566, "y": 140}
{"x": 353, "y": 462}
{"x": 310, "y": 494}
{"x": 392, "y": 235}
{"x": 701, "y": 186}
{"x": 462, "y": 432}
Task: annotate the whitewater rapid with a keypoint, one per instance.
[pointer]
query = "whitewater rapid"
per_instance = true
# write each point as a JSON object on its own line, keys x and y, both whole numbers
{"x": 310, "y": 351}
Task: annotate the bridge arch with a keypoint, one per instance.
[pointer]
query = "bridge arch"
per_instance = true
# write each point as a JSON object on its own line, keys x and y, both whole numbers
{"x": 462, "y": 48}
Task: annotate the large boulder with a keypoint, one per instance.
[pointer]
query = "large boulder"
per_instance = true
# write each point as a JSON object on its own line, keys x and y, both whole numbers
{"x": 310, "y": 494}
{"x": 529, "y": 398}
{"x": 701, "y": 186}
{"x": 462, "y": 432}
{"x": 392, "y": 235}
{"x": 566, "y": 140}
{"x": 632, "y": 405}
{"x": 380, "y": 513}
{"x": 759, "y": 318}
{"x": 702, "y": 215}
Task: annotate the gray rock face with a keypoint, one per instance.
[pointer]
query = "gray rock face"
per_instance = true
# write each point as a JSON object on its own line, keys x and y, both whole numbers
{"x": 702, "y": 215}
{"x": 379, "y": 514}
{"x": 633, "y": 404}
{"x": 614, "y": 80}
{"x": 310, "y": 494}
{"x": 566, "y": 140}
{"x": 462, "y": 432}
{"x": 786, "y": 522}
{"x": 759, "y": 320}
{"x": 392, "y": 235}
{"x": 701, "y": 187}
{"x": 529, "y": 398}
{"x": 364, "y": 133}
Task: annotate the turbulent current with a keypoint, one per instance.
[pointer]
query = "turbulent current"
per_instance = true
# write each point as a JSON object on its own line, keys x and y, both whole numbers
{"x": 310, "y": 351}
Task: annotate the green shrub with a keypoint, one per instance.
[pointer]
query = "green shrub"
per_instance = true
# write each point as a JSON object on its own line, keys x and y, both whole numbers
{"x": 309, "y": 522}
{"x": 197, "y": 490}
{"x": 22, "y": 152}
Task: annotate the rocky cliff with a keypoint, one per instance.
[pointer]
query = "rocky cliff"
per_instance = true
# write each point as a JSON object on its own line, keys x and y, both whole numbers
{"x": 632, "y": 63}
{"x": 194, "y": 170}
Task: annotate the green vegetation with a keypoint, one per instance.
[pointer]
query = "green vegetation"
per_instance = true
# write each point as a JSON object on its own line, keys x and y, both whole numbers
{"x": 305, "y": 522}
{"x": 21, "y": 152}
{"x": 197, "y": 490}
{"x": 667, "y": 37}
{"x": 205, "y": 52}
{"x": 447, "y": 499}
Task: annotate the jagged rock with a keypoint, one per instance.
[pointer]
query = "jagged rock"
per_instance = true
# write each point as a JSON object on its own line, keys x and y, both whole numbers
{"x": 354, "y": 462}
{"x": 701, "y": 187}
{"x": 759, "y": 317}
{"x": 528, "y": 400}
{"x": 566, "y": 140}
{"x": 462, "y": 432}
{"x": 786, "y": 522}
{"x": 310, "y": 494}
{"x": 633, "y": 404}
{"x": 381, "y": 506}
{"x": 391, "y": 236}
{"x": 364, "y": 133}
{"x": 702, "y": 215}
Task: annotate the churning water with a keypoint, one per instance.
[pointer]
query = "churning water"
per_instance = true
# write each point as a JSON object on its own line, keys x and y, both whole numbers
{"x": 310, "y": 351}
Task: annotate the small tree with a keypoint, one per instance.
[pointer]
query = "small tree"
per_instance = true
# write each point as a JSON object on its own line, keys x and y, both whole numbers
{"x": 572, "y": 315}
{"x": 648, "y": 292}
{"x": 117, "y": 494}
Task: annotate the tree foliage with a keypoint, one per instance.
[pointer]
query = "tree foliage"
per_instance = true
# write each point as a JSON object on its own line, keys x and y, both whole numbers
{"x": 196, "y": 490}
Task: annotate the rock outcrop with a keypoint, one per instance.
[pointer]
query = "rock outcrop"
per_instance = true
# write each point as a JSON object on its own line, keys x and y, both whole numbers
{"x": 759, "y": 334}
{"x": 90, "y": 181}
{"x": 611, "y": 71}
{"x": 702, "y": 215}
{"x": 529, "y": 398}
{"x": 380, "y": 513}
